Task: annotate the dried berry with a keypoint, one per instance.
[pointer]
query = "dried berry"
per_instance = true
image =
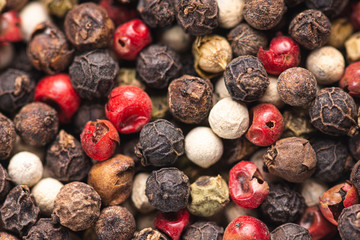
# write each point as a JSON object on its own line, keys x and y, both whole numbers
{"x": 157, "y": 13}
{"x": 333, "y": 112}
{"x": 37, "y": 124}
{"x": 19, "y": 211}
{"x": 59, "y": 8}
{"x": 46, "y": 229}
{"x": 264, "y": 14}
{"x": 48, "y": 49}
{"x": 349, "y": 225}
{"x": 138, "y": 196}
{"x": 355, "y": 176}
{"x": 7, "y": 137}
{"x": 310, "y": 28}
{"x": 93, "y": 74}
{"x": 88, "y": 26}
{"x": 203, "y": 231}
{"x": 168, "y": 189}
{"x": 246, "y": 78}
{"x": 149, "y": 233}
{"x": 160, "y": 144}
{"x": 5, "y": 183}
{"x": 115, "y": 223}
{"x": 341, "y": 30}
{"x": 190, "y": 99}
{"x": 15, "y": 4}
{"x": 330, "y": 8}
{"x": 157, "y": 65}
{"x": 297, "y": 123}
{"x": 290, "y": 231}
{"x": 173, "y": 223}
{"x": 77, "y": 206}
{"x": 66, "y": 160}
{"x": 87, "y": 112}
{"x": 197, "y": 17}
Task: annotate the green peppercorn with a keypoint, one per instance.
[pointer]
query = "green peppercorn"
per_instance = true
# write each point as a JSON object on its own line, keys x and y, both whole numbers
{"x": 59, "y": 8}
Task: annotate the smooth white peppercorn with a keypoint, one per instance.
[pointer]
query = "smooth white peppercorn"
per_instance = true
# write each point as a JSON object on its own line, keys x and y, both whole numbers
{"x": 45, "y": 193}
{"x": 220, "y": 89}
{"x": 229, "y": 119}
{"x": 230, "y": 12}
{"x": 327, "y": 64}
{"x": 271, "y": 94}
{"x": 177, "y": 39}
{"x": 25, "y": 168}
{"x": 203, "y": 147}
{"x": 311, "y": 190}
{"x": 138, "y": 196}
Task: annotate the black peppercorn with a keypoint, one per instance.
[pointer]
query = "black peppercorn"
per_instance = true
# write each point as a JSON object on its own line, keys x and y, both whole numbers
{"x": 310, "y": 28}
{"x": 16, "y": 90}
{"x": 19, "y": 211}
{"x": 157, "y": 13}
{"x": 331, "y": 8}
{"x": 157, "y": 65}
{"x": 333, "y": 112}
{"x": 353, "y": 145}
{"x": 87, "y": 112}
{"x": 203, "y": 231}
{"x": 93, "y": 73}
{"x": 245, "y": 40}
{"x": 282, "y": 205}
{"x": 48, "y": 49}
{"x": 168, "y": 189}
{"x": 45, "y": 229}
{"x": 355, "y": 175}
{"x": 160, "y": 144}
{"x": 150, "y": 234}
{"x": 349, "y": 223}
{"x": 37, "y": 124}
{"x": 290, "y": 231}
{"x": 88, "y": 26}
{"x": 5, "y": 183}
{"x": 197, "y": 17}
{"x": 246, "y": 78}
{"x": 7, "y": 137}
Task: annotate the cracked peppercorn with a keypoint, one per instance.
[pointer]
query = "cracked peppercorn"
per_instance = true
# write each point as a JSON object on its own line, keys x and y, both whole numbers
{"x": 349, "y": 224}
{"x": 7, "y": 137}
{"x": 203, "y": 231}
{"x": 151, "y": 234}
{"x": 46, "y": 229}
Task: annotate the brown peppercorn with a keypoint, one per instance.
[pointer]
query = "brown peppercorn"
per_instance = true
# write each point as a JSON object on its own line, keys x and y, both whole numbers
{"x": 310, "y": 28}
{"x": 333, "y": 112}
{"x": 297, "y": 86}
{"x": 330, "y": 8}
{"x": 115, "y": 223}
{"x": 7, "y": 236}
{"x": 190, "y": 99}
{"x": 66, "y": 160}
{"x": 246, "y": 78}
{"x": 48, "y": 49}
{"x": 245, "y": 40}
{"x": 197, "y": 17}
{"x": 88, "y": 26}
{"x": 157, "y": 13}
{"x": 77, "y": 206}
{"x": 349, "y": 224}
{"x": 45, "y": 229}
{"x": 113, "y": 179}
{"x": 5, "y": 183}
{"x": 203, "y": 231}
{"x": 149, "y": 234}
{"x": 19, "y": 211}
{"x": 291, "y": 158}
{"x": 290, "y": 231}
{"x": 7, "y": 137}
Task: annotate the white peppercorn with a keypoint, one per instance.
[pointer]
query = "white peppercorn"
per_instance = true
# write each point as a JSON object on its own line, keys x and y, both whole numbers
{"x": 352, "y": 46}
{"x": 271, "y": 94}
{"x": 177, "y": 39}
{"x": 45, "y": 193}
{"x": 311, "y": 190}
{"x": 203, "y": 147}
{"x": 25, "y": 168}
{"x": 230, "y": 12}
{"x": 138, "y": 197}
{"x": 229, "y": 119}
{"x": 220, "y": 89}
{"x": 327, "y": 64}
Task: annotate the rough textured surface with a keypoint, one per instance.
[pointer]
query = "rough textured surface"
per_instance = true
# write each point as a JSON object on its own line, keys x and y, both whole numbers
{"x": 45, "y": 229}
{"x": 349, "y": 224}
{"x": 203, "y": 231}
{"x": 87, "y": 112}
{"x": 5, "y": 183}
{"x": 297, "y": 123}
{"x": 149, "y": 234}
{"x": 157, "y": 13}
{"x": 290, "y": 231}
{"x": 7, "y": 137}
{"x": 7, "y": 236}
{"x": 355, "y": 176}
{"x": 331, "y": 8}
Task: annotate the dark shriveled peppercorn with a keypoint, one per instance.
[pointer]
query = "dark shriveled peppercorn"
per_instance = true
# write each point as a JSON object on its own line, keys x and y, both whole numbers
{"x": 203, "y": 231}
{"x": 157, "y": 13}
{"x": 5, "y": 183}
{"x": 7, "y": 137}
{"x": 150, "y": 234}
{"x": 330, "y": 8}
{"x": 85, "y": 113}
{"x": 355, "y": 176}
{"x": 45, "y": 229}
{"x": 290, "y": 231}
{"x": 349, "y": 223}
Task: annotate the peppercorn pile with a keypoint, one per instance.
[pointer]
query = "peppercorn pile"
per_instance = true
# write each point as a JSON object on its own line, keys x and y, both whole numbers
{"x": 179, "y": 119}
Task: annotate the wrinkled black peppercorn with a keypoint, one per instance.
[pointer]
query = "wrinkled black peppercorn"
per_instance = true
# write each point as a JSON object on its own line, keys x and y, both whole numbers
{"x": 7, "y": 137}
{"x": 5, "y": 183}
{"x": 157, "y": 65}
{"x": 157, "y": 13}
{"x": 355, "y": 175}
{"x": 353, "y": 145}
{"x": 87, "y": 112}
{"x": 331, "y": 8}
{"x": 203, "y": 231}
{"x": 93, "y": 73}
{"x": 168, "y": 189}
{"x": 45, "y": 229}
{"x": 160, "y": 144}
{"x": 349, "y": 223}
{"x": 16, "y": 90}
{"x": 150, "y": 234}
{"x": 290, "y": 231}
{"x": 246, "y": 78}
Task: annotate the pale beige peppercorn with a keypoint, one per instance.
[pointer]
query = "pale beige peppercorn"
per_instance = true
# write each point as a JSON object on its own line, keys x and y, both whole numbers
{"x": 352, "y": 46}
{"x": 341, "y": 30}
{"x": 138, "y": 196}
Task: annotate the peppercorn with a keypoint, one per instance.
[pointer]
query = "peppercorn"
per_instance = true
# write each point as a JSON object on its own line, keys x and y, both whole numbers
{"x": 257, "y": 159}
{"x": 19, "y": 211}
{"x": 16, "y": 90}
{"x": 149, "y": 233}
{"x": 297, "y": 123}
{"x": 157, "y": 13}
{"x": 245, "y": 40}
{"x": 271, "y": 94}
{"x": 197, "y": 17}
{"x": 77, "y": 206}
{"x": 355, "y": 175}
{"x": 87, "y": 112}
{"x": 48, "y": 49}
{"x": 341, "y": 30}
{"x": 246, "y": 78}
{"x": 245, "y": 227}
{"x": 297, "y": 86}
{"x": 46, "y": 229}
{"x": 127, "y": 76}
{"x": 112, "y": 179}
{"x": 230, "y": 12}
{"x": 138, "y": 196}
{"x": 16, "y": 5}
{"x": 160, "y": 144}
{"x": 176, "y": 38}
{"x": 5, "y": 183}
{"x": 310, "y": 28}
{"x": 59, "y": 8}
{"x": 264, "y": 14}
{"x": 168, "y": 189}
{"x": 333, "y": 112}
{"x": 330, "y": 8}
{"x": 190, "y": 99}
{"x": 311, "y": 190}
{"x": 203, "y": 231}
{"x": 349, "y": 227}
{"x": 351, "y": 46}
{"x": 160, "y": 106}
{"x": 93, "y": 73}
{"x": 157, "y": 64}
{"x": 7, "y": 137}
{"x": 88, "y": 26}
{"x": 289, "y": 231}
{"x": 282, "y": 205}
{"x": 115, "y": 223}
{"x": 173, "y": 223}
{"x": 353, "y": 144}
{"x": 7, "y": 236}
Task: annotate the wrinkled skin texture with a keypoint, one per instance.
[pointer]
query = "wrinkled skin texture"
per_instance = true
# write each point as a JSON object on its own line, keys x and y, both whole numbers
{"x": 7, "y": 137}
{"x": 45, "y": 229}
{"x": 157, "y": 13}
{"x": 203, "y": 231}
{"x": 330, "y": 8}
{"x": 245, "y": 227}
{"x": 349, "y": 224}
{"x": 149, "y": 234}
{"x": 290, "y": 231}
{"x": 5, "y": 183}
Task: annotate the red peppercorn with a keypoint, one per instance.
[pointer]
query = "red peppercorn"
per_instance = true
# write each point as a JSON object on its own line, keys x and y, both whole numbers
{"x": 283, "y": 53}
{"x": 99, "y": 139}
{"x": 57, "y": 91}
{"x": 350, "y": 81}
{"x": 172, "y": 224}
{"x": 117, "y": 12}
{"x": 129, "y": 109}
{"x": 246, "y": 185}
{"x": 245, "y": 227}
{"x": 130, "y": 38}
{"x": 10, "y": 27}
{"x": 267, "y": 125}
